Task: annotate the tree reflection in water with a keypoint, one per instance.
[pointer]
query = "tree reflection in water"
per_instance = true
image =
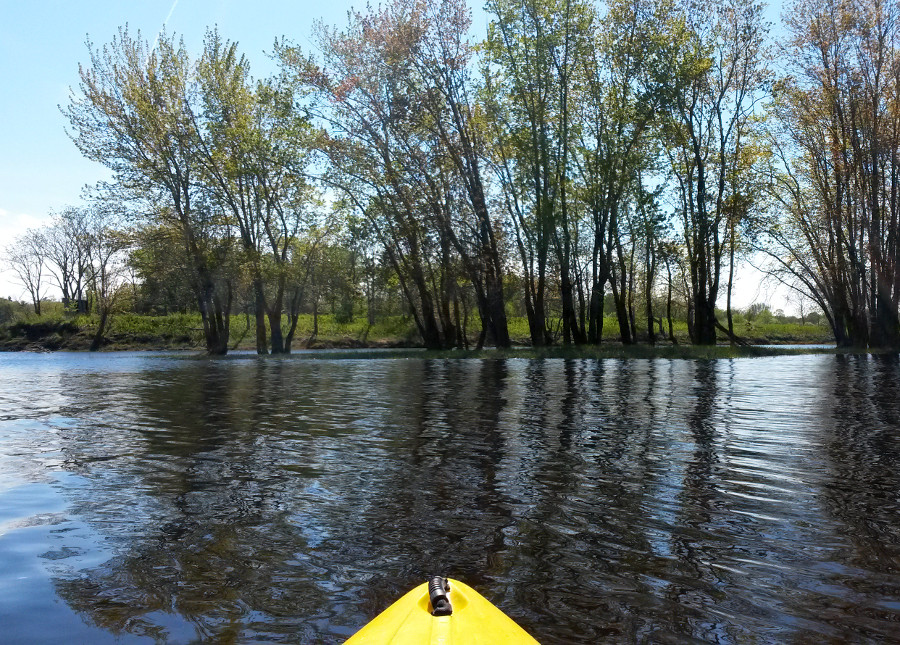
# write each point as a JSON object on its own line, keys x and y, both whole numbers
{"x": 594, "y": 501}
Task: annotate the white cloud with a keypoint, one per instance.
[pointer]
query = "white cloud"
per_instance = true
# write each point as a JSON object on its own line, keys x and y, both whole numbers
{"x": 13, "y": 224}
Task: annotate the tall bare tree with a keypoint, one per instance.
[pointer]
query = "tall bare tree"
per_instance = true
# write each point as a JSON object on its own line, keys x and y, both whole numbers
{"x": 444, "y": 58}
{"x": 106, "y": 245}
{"x": 67, "y": 255}
{"x": 26, "y": 257}
{"x": 838, "y": 143}
{"x": 381, "y": 159}
{"x": 723, "y": 74}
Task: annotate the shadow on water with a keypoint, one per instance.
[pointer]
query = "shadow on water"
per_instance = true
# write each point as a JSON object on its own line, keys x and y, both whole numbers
{"x": 862, "y": 490}
{"x": 594, "y": 501}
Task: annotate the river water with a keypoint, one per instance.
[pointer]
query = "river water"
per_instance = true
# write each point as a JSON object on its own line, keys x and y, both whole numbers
{"x": 166, "y": 498}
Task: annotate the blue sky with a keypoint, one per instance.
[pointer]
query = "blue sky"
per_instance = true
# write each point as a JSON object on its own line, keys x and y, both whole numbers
{"x": 43, "y": 41}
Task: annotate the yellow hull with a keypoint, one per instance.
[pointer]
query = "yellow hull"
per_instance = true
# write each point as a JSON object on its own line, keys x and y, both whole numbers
{"x": 474, "y": 621}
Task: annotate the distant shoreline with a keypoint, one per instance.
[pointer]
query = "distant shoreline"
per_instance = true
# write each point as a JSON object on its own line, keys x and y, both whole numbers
{"x": 183, "y": 332}
{"x": 384, "y": 350}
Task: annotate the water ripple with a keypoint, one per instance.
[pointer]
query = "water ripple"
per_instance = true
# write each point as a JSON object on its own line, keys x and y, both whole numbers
{"x": 164, "y": 498}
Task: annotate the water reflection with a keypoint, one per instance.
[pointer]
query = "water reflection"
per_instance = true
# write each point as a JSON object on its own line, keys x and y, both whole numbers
{"x": 861, "y": 451}
{"x": 177, "y": 500}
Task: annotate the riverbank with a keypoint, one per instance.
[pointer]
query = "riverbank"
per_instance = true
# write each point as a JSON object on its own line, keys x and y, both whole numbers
{"x": 129, "y": 332}
{"x": 607, "y": 350}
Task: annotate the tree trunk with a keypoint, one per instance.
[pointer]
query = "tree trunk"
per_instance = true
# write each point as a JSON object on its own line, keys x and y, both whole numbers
{"x": 278, "y": 346}
{"x": 97, "y": 340}
{"x": 214, "y": 315}
{"x": 262, "y": 345}
{"x": 619, "y": 297}
{"x": 315, "y": 329}
{"x": 669, "y": 310}
{"x": 728, "y": 314}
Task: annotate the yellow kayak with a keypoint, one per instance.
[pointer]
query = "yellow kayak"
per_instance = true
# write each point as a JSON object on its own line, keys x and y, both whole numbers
{"x": 442, "y": 611}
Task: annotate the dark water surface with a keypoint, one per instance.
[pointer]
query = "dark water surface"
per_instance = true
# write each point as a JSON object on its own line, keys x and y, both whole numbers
{"x": 163, "y": 498}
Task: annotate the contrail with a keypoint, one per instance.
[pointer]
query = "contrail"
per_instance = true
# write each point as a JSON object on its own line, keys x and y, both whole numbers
{"x": 165, "y": 22}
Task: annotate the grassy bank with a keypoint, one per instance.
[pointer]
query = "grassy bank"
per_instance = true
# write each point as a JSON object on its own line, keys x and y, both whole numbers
{"x": 57, "y": 331}
{"x": 185, "y": 331}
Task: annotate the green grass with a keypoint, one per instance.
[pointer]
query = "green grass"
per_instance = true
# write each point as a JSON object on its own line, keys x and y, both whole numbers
{"x": 781, "y": 333}
{"x": 172, "y": 326}
{"x": 770, "y": 333}
{"x": 518, "y": 328}
{"x": 134, "y": 331}
{"x": 187, "y": 330}
{"x": 388, "y": 329}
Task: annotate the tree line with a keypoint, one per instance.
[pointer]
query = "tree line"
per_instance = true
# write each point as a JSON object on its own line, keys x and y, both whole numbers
{"x": 581, "y": 159}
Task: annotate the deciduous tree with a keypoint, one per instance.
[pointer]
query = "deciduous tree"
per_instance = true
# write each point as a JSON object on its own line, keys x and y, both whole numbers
{"x": 135, "y": 111}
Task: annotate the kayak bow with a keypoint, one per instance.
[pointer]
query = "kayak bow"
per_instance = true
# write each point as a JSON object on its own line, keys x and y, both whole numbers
{"x": 442, "y": 611}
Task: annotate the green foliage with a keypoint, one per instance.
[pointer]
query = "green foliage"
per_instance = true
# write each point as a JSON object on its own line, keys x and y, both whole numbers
{"x": 171, "y": 328}
{"x": 162, "y": 268}
{"x": 621, "y": 144}
{"x": 57, "y": 329}
{"x": 11, "y": 311}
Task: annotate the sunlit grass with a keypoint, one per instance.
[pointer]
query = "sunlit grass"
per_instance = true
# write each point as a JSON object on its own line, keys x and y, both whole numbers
{"x": 185, "y": 330}
{"x": 775, "y": 332}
